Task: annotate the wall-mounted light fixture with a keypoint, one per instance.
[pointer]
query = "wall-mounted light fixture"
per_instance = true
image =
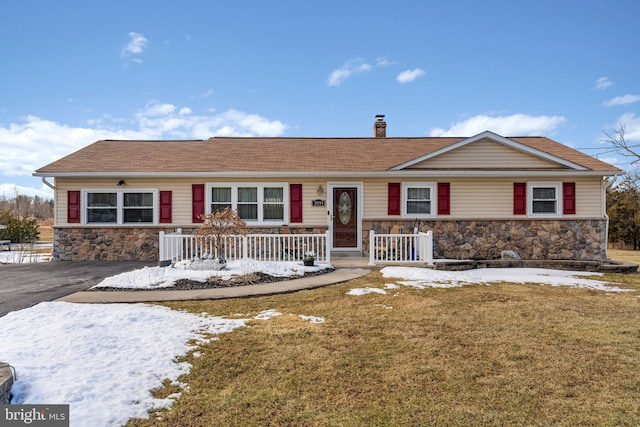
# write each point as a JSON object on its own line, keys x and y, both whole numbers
{"x": 320, "y": 190}
{"x": 121, "y": 183}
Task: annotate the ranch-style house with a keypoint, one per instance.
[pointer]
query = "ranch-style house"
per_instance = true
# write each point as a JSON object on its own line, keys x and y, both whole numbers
{"x": 479, "y": 195}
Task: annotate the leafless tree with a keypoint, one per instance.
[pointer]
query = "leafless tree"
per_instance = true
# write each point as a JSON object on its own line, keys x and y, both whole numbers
{"x": 616, "y": 138}
{"x": 217, "y": 226}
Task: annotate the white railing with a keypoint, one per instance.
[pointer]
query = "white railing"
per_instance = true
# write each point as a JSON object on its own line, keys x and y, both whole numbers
{"x": 401, "y": 248}
{"x": 261, "y": 247}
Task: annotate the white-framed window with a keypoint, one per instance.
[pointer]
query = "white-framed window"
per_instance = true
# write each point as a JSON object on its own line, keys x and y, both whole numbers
{"x": 120, "y": 207}
{"x": 254, "y": 202}
{"x": 544, "y": 199}
{"x": 419, "y": 199}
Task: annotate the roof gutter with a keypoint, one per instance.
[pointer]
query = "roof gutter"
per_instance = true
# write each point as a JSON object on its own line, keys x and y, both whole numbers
{"x": 332, "y": 174}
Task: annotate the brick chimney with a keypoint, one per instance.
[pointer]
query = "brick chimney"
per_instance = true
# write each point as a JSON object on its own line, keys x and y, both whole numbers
{"x": 380, "y": 127}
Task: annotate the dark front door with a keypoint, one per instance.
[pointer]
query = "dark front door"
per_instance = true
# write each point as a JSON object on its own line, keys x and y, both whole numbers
{"x": 345, "y": 221}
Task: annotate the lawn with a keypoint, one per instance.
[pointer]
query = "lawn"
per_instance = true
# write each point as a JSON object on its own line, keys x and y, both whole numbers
{"x": 503, "y": 354}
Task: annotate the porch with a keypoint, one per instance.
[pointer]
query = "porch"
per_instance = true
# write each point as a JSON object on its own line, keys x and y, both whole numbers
{"x": 384, "y": 249}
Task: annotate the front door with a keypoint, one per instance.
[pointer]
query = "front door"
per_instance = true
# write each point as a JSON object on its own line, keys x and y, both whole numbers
{"x": 345, "y": 217}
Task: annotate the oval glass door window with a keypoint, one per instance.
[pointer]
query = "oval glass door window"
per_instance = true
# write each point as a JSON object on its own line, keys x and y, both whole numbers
{"x": 344, "y": 208}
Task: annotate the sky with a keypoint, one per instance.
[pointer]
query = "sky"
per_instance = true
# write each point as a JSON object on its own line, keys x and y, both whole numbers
{"x": 103, "y": 341}
{"x": 75, "y": 72}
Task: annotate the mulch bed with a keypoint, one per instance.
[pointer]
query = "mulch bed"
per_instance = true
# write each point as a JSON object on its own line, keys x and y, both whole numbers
{"x": 217, "y": 282}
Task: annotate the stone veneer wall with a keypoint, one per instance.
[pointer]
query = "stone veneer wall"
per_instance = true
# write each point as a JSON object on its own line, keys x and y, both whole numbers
{"x": 124, "y": 243}
{"x": 530, "y": 239}
{"x": 464, "y": 239}
{"x": 106, "y": 244}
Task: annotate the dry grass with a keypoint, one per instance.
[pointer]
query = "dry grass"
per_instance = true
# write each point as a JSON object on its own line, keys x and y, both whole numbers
{"x": 46, "y": 232}
{"x": 504, "y": 354}
{"x": 620, "y": 255}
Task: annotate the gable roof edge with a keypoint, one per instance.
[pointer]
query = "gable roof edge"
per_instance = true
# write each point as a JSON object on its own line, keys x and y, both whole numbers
{"x": 497, "y": 138}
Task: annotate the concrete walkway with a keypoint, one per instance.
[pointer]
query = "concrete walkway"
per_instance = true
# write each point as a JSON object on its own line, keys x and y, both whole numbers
{"x": 338, "y": 276}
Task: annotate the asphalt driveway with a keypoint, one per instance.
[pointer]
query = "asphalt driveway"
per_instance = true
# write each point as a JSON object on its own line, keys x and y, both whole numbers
{"x": 25, "y": 285}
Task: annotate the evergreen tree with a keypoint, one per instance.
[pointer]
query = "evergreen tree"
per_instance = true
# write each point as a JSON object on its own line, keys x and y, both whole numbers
{"x": 623, "y": 209}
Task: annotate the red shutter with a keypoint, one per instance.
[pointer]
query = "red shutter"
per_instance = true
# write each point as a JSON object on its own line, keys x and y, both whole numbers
{"x": 295, "y": 202}
{"x": 393, "y": 200}
{"x": 569, "y": 198}
{"x": 165, "y": 207}
{"x": 197, "y": 202}
{"x": 444, "y": 198}
{"x": 519, "y": 198}
{"x": 73, "y": 207}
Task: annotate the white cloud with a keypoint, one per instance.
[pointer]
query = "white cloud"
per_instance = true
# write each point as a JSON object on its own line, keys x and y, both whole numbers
{"x": 9, "y": 191}
{"x": 207, "y": 94}
{"x": 410, "y": 75}
{"x": 603, "y": 83}
{"x": 622, "y": 100}
{"x": 354, "y": 66}
{"x": 137, "y": 43}
{"x": 156, "y": 109}
{"x": 383, "y": 62}
{"x": 631, "y": 124}
{"x": 513, "y": 125}
{"x": 35, "y": 142}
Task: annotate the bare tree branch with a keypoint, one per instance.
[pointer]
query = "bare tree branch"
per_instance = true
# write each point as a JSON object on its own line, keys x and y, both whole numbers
{"x": 619, "y": 143}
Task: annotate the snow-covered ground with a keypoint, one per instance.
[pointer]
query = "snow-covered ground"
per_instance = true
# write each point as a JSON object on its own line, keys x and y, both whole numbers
{"x": 103, "y": 360}
{"x": 27, "y": 254}
{"x": 426, "y": 278}
{"x": 165, "y": 277}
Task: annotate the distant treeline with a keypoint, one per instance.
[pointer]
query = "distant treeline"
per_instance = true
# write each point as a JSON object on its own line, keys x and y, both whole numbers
{"x": 23, "y": 206}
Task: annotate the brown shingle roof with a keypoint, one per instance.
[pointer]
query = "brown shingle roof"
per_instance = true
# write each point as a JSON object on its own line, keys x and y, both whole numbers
{"x": 223, "y": 154}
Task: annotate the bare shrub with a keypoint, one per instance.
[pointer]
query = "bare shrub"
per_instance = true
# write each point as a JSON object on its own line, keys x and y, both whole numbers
{"x": 216, "y": 227}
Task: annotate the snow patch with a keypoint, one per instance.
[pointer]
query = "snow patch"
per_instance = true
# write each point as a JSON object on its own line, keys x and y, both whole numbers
{"x": 166, "y": 277}
{"x": 422, "y": 278}
{"x": 102, "y": 360}
{"x": 365, "y": 291}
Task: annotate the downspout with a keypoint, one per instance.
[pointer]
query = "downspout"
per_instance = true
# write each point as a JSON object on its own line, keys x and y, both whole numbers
{"x": 608, "y": 183}
{"x": 47, "y": 183}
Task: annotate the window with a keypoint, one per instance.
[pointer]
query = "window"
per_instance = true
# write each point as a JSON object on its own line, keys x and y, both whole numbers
{"x": 253, "y": 202}
{"x": 418, "y": 200}
{"x": 120, "y": 207}
{"x": 273, "y": 203}
{"x": 248, "y": 203}
{"x": 137, "y": 207}
{"x": 102, "y": 208}
{"x": 545, "y": 199}
{"x": 220, "y": 198}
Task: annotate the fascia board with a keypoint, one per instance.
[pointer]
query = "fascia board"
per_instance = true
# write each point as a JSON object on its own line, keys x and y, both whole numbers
{"x": 333, "y": 174}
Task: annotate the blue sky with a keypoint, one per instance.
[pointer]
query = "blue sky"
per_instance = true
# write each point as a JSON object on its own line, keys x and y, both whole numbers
{"x": 74, "y": 72}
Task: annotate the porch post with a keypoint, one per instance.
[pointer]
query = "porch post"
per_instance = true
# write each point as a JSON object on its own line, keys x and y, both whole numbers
{"x": 328, "y": 247}
{"x": 430, "y": 247}
{"x": 372, "y": 236}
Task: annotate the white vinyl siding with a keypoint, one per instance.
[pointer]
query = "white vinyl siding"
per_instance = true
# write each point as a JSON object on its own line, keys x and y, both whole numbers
{"x": 471, "y": 198}
{"x": 486, "y": 154}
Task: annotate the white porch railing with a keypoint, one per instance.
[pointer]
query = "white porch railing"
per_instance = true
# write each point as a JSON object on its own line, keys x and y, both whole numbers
{"x": 401, "y": 248}
{"x": 261, "y": 247}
